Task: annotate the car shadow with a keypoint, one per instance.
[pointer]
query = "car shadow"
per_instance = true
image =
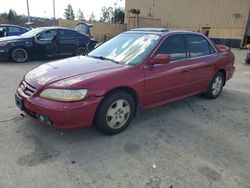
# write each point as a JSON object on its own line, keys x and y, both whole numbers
{"x": 192, "y": 127}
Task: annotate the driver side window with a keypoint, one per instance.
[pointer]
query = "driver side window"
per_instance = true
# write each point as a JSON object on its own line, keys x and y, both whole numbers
{"x": 47, "y": 35}
{"x": 174, "y": 46}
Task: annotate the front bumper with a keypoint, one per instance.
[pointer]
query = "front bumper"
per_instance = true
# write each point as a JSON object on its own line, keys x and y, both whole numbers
{"x": 60, "y": 114}
{"x": 4, "y": 53}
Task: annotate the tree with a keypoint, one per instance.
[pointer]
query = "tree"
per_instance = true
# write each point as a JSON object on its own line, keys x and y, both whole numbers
{"x": 92, "y": 17}
{"x": 69, "y": 13}
{"x": 80, "y": 15}
{"x": 12, "y": 16}
{"x": 106, "y": 14}
{"x": 119, "y": 15}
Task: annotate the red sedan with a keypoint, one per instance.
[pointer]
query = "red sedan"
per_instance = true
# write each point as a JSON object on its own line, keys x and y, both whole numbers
{"x": 138, "y": 69}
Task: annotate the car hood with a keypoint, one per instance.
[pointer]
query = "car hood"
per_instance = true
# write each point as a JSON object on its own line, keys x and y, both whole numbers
{"x": 55, "y": 71}
{"x": 10, "y": 38}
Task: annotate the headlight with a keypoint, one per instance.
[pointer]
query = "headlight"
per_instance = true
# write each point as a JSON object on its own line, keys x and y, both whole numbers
{"x": 65, "y": 95}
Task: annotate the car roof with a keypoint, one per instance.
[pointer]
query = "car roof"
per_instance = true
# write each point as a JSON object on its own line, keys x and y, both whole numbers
{"x": 54, "y": 27}
{"x": 11, "y": 25}
{"x": 151, "y": 29}
{"x": 159, "y": 31}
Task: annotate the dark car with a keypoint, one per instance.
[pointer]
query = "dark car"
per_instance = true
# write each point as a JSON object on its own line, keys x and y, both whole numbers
{"x": 138, "y": 69}
{"x": 11, "y": 30}
{"x": 248, "y": 58}
{"x": 45, "y": 42}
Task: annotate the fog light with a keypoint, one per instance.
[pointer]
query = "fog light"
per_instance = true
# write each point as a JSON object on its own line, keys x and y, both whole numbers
{"x": 44, "y": 119}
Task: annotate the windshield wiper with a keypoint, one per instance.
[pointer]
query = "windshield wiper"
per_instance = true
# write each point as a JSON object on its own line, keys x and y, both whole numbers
{"x": 104, "y": 58}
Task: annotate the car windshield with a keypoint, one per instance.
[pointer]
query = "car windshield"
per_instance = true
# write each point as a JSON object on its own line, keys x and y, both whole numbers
{"x": 127, "y": 48}
{"x": 32, "y": 32}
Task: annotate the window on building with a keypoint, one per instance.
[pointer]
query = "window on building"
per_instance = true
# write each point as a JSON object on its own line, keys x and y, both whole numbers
{"x": 173, "y": 46}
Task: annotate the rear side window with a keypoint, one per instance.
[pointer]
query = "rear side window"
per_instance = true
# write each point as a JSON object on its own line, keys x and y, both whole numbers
{"x": 173, "y": 46}
{"x": 67, "y": 33}
{"x": 198, "y": 46}
{"x": 212, "y": 50}
{"x": 14, "y": 30}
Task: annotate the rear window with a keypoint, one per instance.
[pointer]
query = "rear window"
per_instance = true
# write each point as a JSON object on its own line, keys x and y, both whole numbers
{"x": 197, "y": 46}
{"x": 67, "y": 33}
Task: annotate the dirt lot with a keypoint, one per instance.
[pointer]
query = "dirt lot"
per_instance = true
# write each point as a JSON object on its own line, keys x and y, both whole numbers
{"x": 191, "y": 143}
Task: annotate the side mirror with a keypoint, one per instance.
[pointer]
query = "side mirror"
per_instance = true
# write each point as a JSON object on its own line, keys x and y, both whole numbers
{"x": 160, "y": 59}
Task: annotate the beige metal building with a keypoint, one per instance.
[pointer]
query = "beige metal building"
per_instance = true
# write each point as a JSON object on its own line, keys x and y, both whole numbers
{"x": 224, "y": 21}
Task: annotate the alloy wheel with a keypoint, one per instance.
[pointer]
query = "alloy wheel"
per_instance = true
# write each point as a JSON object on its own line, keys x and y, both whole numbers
{"x": 20, "y": 55}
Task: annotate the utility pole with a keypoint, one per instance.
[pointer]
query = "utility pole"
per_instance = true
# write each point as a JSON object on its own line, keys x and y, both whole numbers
{"x": 54, "y": 9}
{"x": 28, "y": 9}
{"x": 114, "y": 12}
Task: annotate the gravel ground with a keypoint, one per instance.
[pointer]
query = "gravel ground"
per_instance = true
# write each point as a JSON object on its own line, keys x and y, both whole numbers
{"x": 194, "y": 142}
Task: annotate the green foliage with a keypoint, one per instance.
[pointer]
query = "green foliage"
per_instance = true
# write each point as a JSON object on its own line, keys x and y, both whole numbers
{"x": 69, "y": 13}
{"x": 119, "y": 15}
{"x": 92, "y": 17}
{"x": 106, "y": 14}
{"x": 12, "y": 16}
{"x": 80, "y": 15}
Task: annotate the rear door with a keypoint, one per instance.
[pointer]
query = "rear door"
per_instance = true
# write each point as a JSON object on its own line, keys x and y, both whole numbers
{"x": 69, "y": 40}
{"x": 203, "y": 58}
{"x": 167, "y": 81}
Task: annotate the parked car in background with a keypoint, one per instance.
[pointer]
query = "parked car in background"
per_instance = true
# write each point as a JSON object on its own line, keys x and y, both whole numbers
{"x": 135, "y": 70}
{"x": 84, "y": 28}
{"x": 45, "y": 42}
{"x": 11, "y": 30}
{"x": 248, "y": 58}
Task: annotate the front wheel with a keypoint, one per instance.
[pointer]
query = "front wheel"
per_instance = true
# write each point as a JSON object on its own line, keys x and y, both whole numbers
{"x": 115, "y": 113}
{"x": 19, "y": 55}
{"x": 215, "y": 86}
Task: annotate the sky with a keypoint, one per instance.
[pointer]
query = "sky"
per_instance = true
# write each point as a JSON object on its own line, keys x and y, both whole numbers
{"x": 44, "y": 8}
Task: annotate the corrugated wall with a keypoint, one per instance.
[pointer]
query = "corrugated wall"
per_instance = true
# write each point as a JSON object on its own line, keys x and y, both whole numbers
{"x": 226, "y": 18}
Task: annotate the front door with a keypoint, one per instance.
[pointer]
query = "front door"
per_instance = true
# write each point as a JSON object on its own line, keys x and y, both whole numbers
{"x": 46, "y": 43}
{"x": 167, "y": 82}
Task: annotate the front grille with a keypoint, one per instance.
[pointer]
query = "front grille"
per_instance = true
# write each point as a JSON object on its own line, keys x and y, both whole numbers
{"x": 27, "y": 89}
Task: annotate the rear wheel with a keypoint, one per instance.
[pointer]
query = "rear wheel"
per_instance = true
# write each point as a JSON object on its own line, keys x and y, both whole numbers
{"x": 115, "y": 113}
{"x": 215, "y": 86}
{"x": 19, "y": 55}
{"x": 81, "y": 51}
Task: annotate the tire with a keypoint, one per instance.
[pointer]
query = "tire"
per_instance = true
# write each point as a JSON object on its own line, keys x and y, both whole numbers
{"x": 115, "y": 113}
{"x": 81, "y": 51}
{"x": 19, "y": 55}
{"x": 248, "y": 58}
{"x": 215, "y": 86}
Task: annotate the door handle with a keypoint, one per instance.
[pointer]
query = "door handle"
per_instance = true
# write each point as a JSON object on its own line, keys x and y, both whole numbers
{"x": 185, "y": 70}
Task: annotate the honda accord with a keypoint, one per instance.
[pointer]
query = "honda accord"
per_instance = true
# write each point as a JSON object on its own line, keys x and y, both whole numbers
{"x": 138, "y": 69}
